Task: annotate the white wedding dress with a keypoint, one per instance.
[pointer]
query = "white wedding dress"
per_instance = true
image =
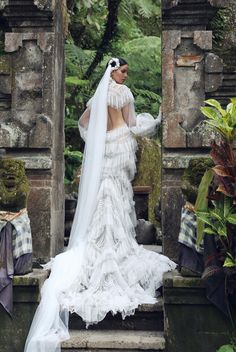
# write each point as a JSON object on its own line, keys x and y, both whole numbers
{"x": 108, "y": 271}
{"x": 117, "y": 273}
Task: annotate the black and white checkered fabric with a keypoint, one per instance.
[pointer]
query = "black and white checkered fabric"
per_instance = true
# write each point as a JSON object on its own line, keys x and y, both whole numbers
{"x": 188, "y": 230}
{"x": 21, "y": 237}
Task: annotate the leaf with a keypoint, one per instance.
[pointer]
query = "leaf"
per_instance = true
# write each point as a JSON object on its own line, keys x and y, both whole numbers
{"x": 222, "y": 231}
{"x": 211, "y": 113}
{"x": 226, "y": 348}
{"x": 220, "y": 170}
{"x": 202, "y": 201}
{"x": 209, "y": 231}
{"x": 229, "y": 263}
{"x": 231, "y": 218}
{"x": 216, "y": 104}
{"x": 72, "y": 80}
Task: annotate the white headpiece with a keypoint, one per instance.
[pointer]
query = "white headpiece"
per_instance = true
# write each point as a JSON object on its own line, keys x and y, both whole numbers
{"x": 114, "y": 63}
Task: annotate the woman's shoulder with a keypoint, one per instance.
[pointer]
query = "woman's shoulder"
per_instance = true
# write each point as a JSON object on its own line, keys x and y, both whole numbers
{"x": 119, "y": 95}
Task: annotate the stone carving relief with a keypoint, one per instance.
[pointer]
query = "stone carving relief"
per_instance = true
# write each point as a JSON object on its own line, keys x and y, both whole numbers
{"x": 44, "y": 4}
{"x": 27, "y": 124}
{"x": 3, "y": 4}
{"x": 190, "y": 71}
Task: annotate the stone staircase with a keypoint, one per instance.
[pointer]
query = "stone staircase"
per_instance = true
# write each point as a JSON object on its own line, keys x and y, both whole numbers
{"x": 141, "y": 331}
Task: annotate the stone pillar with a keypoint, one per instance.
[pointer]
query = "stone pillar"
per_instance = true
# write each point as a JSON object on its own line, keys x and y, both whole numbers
{"x": 189, "y": 72}
{"x": 32, "y": 111}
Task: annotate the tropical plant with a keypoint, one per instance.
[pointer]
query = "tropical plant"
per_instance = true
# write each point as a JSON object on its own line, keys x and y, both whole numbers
{"x": 223, "y": 120}
{"x": 215, "y": 204}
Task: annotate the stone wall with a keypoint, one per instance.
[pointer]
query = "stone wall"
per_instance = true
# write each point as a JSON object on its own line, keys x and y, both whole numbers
{"x": 32, "y": 111}
{"x": 190, "y": 74}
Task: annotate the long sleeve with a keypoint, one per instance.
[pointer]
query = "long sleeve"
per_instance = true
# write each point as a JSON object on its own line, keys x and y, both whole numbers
{"x": 146, "y": 125}
{"x": 83, "y": 123}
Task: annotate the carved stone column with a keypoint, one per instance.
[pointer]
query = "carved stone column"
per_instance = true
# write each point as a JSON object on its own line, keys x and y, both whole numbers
{"x": 189, "y": 72}
{"x": 32, "y": 111}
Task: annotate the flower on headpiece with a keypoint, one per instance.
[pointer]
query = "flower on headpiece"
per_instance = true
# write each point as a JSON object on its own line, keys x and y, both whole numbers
{"x": 114, "y": 63}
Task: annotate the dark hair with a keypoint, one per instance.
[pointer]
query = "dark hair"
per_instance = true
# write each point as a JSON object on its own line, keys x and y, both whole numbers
{"x": 121, "y": 61}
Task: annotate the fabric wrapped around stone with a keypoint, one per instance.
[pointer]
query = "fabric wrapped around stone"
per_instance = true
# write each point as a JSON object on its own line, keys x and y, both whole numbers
{"x": 15, "y": 253}
{"x": 190, "y": 255}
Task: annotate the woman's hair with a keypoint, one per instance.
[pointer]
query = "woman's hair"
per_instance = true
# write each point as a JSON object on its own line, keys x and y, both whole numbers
{"x": 121, "y": 61}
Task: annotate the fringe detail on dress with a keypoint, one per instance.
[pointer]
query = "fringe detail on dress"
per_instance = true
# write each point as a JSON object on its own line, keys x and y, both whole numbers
{"x": 117, "y": 274}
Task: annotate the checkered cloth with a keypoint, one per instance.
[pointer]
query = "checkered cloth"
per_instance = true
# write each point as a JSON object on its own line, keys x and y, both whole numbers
{"x": 188, "y": 232}
{"x": 21, "y": 236}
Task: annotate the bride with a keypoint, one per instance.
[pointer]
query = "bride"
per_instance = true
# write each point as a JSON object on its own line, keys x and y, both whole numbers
{"x": 104, "y": 269}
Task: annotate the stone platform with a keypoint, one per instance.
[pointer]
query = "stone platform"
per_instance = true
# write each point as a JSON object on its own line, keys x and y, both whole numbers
{"x": 26, "y": 296}
{"x": 192, "y": 323}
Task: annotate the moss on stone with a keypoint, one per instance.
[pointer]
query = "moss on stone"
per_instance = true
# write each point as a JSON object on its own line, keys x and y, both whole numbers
{"x": 5, "y": 65}
{"x": 14, "y": 186}
{"x": 192, "y": 177}
{"x": 149, "y": 170}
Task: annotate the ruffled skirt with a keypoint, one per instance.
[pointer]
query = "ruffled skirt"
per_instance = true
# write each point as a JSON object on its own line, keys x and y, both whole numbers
{"x": 117, "y": 274}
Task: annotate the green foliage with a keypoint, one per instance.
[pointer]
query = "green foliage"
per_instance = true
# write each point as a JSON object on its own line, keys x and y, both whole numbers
{"x": 227, "y": 348}
{"x": 216, "y": 213}
{"x": 219, "y": 25}
{"x": 73, "y": 160}
{"x": 222, "y": 120}
{"x": 201, "y": 204}
{"x": 142, "y": 52}
{"x": 216, "y": 221}
{"x": 136, "y": 41}
{"x": 148, "y": 174}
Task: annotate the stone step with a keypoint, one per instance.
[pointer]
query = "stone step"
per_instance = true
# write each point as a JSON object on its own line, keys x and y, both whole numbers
{"x": 147, "y": 317}
{"x": 110, "y": 340}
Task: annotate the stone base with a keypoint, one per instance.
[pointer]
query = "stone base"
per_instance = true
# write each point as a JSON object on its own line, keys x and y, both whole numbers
{"x": 192, "y": 323}
{"x": 25, "y": 301}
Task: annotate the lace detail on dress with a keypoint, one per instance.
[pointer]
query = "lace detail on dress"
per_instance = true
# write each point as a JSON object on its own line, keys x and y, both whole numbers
{"x": 118, "y": 95}
{"x": 117, "y": 274}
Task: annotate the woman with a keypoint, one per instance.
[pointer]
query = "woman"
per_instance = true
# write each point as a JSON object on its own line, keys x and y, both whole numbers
{"x": 104, "y": 270}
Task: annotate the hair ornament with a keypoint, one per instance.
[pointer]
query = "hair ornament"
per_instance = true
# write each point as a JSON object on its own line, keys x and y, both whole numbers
{"x": 114, "y": 63}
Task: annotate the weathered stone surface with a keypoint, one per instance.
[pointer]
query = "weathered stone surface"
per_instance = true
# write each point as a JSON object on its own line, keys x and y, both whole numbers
{"x": 13, "y": 41}
{"x": 44, "y": 4}
{"x": 213, "y": 63}
{"x": 35, "y": 161}
{"x": 167, "y": 4}
{"x": 202, "y": 136}
{"x": 178, "y": 161}
{"x": 110, "y": 339}
{"x": 187, "y": 14}
{"x": 213, "y": 82}
{"x": 220, "y": 3}
{"x": 32, "y": 111}
{"x": 203, "y": 39}
{"x": 172, "y": 201}
{"x": 188, "y": 60}
{"x": 187, "y": 309}
{"x": 3, "y": 3}
{"x": 26, "y": 294}
{"x": 190, "y": 74}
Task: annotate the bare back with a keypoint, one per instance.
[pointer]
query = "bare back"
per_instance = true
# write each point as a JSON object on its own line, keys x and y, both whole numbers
{"x": 115, "y": 118}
